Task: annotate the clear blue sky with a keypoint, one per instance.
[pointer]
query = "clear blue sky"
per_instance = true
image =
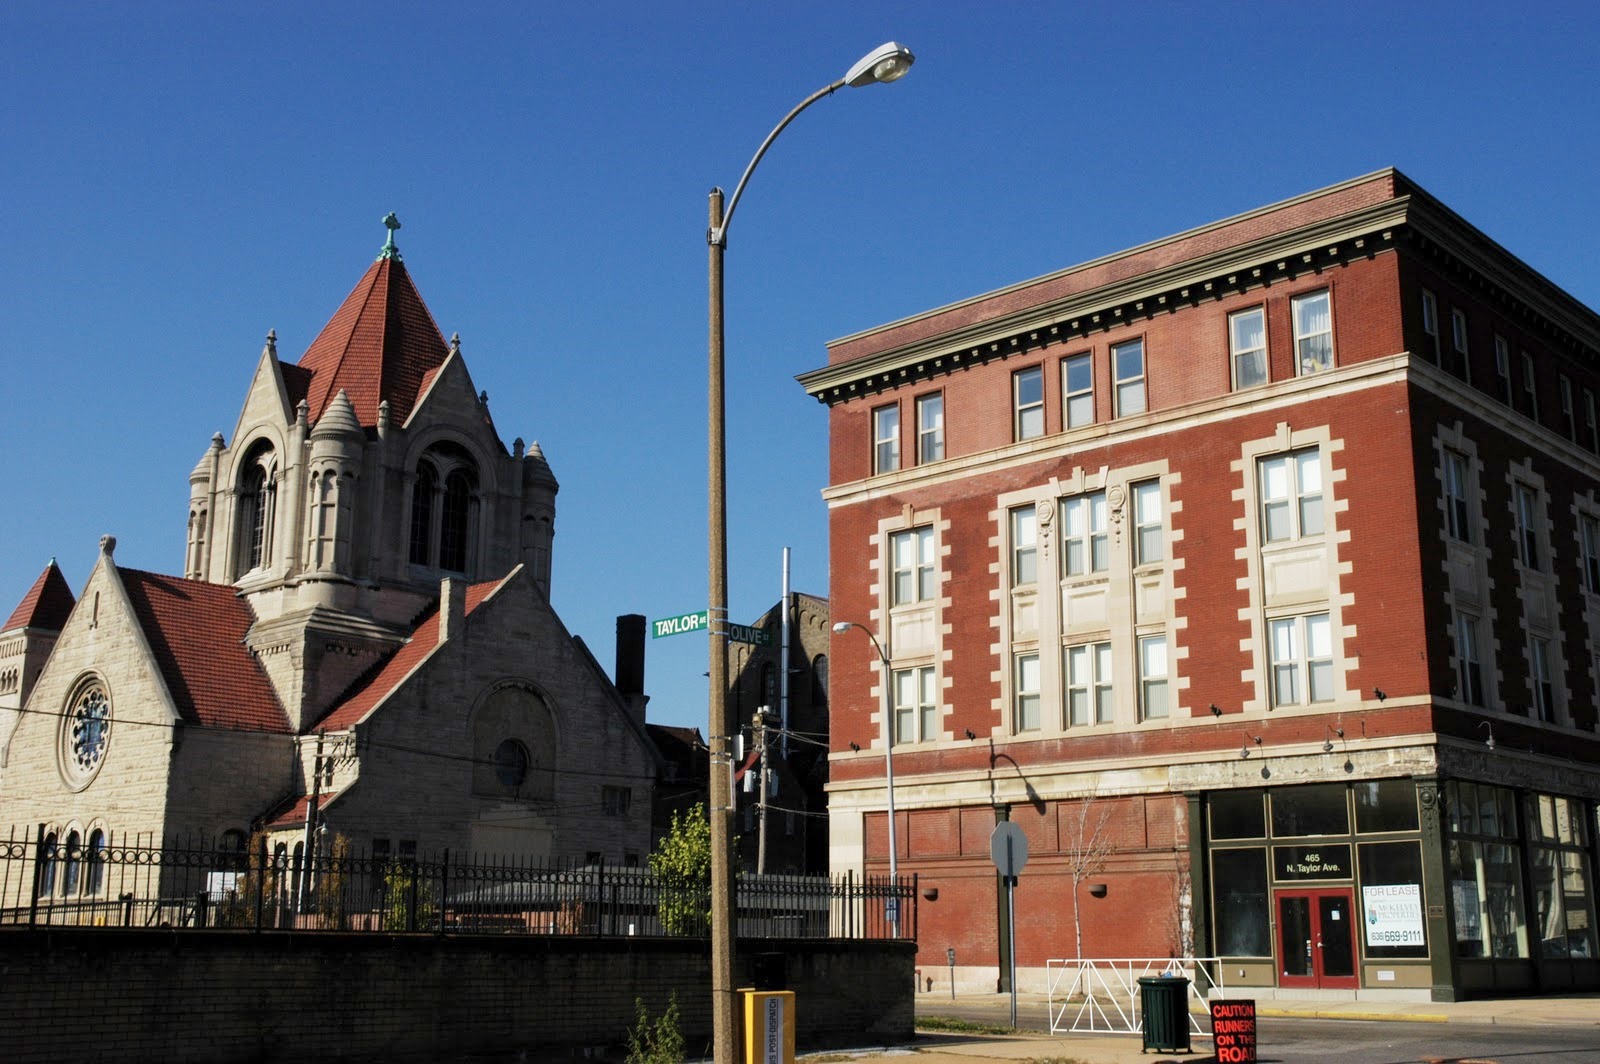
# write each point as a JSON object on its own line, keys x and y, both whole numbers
{"x": 176, "y": 179}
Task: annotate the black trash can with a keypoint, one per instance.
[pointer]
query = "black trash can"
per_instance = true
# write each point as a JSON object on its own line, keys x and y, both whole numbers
{"x": 1164, "y": 1007}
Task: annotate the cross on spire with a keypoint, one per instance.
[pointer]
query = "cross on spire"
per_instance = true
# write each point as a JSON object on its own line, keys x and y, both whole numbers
{"x": 390, "y": 250}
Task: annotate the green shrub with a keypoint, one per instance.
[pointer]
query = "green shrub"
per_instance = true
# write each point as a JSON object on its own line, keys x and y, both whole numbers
{"x": 658, "y": 1042}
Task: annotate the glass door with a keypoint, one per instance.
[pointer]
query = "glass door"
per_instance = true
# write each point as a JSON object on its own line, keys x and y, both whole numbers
{"x": 1316, "y": 939}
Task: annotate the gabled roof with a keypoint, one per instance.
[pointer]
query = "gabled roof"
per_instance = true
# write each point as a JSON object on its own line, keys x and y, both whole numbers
{"x": 293, "y": 812}
{"x": 391, "y": 674}
{"x": 379, "y": 345}
{"x": 46, "y": 605}
{"x": 196, "y": 632}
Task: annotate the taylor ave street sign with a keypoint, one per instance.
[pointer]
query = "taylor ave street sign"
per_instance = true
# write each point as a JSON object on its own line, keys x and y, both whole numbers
{"x": 687, "y": 622}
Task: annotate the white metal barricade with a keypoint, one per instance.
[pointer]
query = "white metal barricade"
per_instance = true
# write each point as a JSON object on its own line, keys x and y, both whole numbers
{"x": 1102, "y": 994}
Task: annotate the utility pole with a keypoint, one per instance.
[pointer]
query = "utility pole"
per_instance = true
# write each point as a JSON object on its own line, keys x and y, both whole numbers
{"x": 760, "y": 723}
{"x": 311, "y": 828}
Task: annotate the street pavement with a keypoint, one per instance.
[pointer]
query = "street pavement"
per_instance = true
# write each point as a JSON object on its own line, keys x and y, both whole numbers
{"x": 1033, "y": 1042}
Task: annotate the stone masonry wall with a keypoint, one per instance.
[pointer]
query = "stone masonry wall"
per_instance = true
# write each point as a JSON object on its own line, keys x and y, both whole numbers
{"x": 222, "y": 997}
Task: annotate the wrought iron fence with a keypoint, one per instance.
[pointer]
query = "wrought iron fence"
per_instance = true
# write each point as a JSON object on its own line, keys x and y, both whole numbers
{"x": 104, "y": 881}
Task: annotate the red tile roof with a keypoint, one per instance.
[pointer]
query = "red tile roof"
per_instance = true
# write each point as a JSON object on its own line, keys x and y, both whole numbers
{"x": 380, "y": 344}
{"x": 295, "y": 814}
{"x": 196, "y": 632}
{"x": 46, "y": 605}
{"x": 424, "y": 638}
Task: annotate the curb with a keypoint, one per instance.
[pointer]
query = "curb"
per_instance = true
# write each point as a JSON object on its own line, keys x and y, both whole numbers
{"x": 1320, "y": 1014}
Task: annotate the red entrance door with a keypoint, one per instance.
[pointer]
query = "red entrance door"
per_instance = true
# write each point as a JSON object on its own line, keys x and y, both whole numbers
{"x": 1316, "y": 939}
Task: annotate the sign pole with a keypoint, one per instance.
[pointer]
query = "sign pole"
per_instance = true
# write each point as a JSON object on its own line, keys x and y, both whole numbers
{"x": 1011, "y": 928}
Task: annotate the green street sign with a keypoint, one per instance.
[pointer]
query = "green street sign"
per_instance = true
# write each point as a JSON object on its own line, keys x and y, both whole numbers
{"x": 743, "y": 633}
{"x": 687, "y": 622}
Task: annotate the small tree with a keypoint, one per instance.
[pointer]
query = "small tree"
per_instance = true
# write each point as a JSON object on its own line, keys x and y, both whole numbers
{"x": 1087, "y": 845}
{"x": 682, "y": 867}
{"x": 658, "y": 1042}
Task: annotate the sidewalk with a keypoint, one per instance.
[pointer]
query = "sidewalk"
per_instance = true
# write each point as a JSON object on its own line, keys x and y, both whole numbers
{"x": 1035, "y": 1043}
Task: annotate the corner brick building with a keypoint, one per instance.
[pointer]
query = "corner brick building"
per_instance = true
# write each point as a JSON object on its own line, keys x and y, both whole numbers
{"x": 1265, "y": 557}
{"x": 362, "y": 624}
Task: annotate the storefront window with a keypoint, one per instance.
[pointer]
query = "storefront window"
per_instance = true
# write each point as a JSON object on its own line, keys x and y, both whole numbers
{"x": 1319, "y": 809}
{"x": 1239, "y": 878}
{"x": 1386, "y": 805}
{"x": 1563, "y": 902}
{"x": 1391, "y": 898}
{"x": 1237, "y": 815}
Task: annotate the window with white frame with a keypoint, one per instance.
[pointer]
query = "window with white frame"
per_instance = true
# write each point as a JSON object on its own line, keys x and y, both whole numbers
{"x": 911, "y": 563}
{"x": 1457, "y": 509}
{"x": 1024, "y": 546}
{"x": 1153, "y": 703}
{"x": 1147, "y": 526}
{"x": 1591, "y": 425}
{"x": 1313, "y": 332}
{"x": 1302, "y": 660}
{"x": 1502, "y": 369}
{"x": 1027, "y": 392}
{"x": 1527, "y": 503}
{"x": 1087, "y": 668}
{"x": 1247, "y": 342}
{"x": 886, "y": 439}
{"x": 1127, "y": 373}
{"x": 1530, "y": 388}
{"x": 1084, "y": 544}
{"x": 1458, "y": 339}
{"x": 916, "y": 710}
{"x": 1569, "y": 417}
{"x": 1589, "y": 538}
{"x": 1077, "y": 390}
{"x": 930, "y": 428}
{"x": 1544, "y": 696}
{"x": 1430, "y": 323}
{"x": 1291, "y": 496}
{"x": 1469, "y": 662}
{"x": 1026, "y": 680}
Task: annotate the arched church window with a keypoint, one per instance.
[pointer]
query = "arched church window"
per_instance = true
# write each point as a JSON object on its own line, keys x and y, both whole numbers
{"x": 47, "y": 874}
{"x": 231, "y": 851}
{"x": 511, "y": 764}
{"x": 257, "y": 504}
{"x": 422, "y": 494}
{"x": 85, "y": 733}
{"x": 513, "y": 746}
{"x": 819, "y": 678}
{"x": 324, "y": 495}
{"x": 95, "y": 856}
{"x": 74, "y": 864}
{"x": 444, "y": 508}
{"x": 769, "y": 686}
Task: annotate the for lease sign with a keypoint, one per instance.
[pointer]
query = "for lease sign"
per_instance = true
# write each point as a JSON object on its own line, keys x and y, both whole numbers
{"x": 1393, "y": 914}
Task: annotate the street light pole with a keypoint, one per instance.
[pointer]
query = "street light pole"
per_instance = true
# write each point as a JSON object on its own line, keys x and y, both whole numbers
{"x": 888, "y": 765}
{"x": 886, "y": 63}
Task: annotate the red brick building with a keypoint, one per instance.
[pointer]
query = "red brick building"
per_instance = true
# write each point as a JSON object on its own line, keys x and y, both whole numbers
{"x": 1274, "y": 548}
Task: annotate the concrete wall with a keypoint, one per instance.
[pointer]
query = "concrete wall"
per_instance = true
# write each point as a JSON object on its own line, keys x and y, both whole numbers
{"x": 220, "y": 997}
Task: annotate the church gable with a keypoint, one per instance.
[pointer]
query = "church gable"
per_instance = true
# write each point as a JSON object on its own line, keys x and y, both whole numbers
{"x": 268, "y": 401}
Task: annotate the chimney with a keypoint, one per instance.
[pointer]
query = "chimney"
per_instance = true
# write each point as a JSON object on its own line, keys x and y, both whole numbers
{"x": 630, "y": 663}
{"x": 452, "y": 607}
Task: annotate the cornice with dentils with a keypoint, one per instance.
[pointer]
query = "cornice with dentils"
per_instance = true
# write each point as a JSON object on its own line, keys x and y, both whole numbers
{"x": 1278, "y": 256}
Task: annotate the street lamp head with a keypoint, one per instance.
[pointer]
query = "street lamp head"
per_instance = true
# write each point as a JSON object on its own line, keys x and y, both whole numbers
{"x": 885, "y": 63}
{"x": 843, "y": 626}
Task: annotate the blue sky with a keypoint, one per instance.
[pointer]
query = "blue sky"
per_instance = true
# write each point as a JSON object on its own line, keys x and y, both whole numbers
{"x": 176, "y": 179}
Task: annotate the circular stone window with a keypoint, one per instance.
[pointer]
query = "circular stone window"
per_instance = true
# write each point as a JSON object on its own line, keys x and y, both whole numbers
{"x": 85, "y": 734}
{"x": 511, "y": 764}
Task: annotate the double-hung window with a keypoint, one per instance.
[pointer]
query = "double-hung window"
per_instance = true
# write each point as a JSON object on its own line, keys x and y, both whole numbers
{"x": 1469, "y": 664}
{"x": 916, "y": 710}
{"x": 1302, "y": 660}
{"x": 1127, "y": 371}
{"x": 1502, "y": 369}
{"x": 1527, "y": 526}
{"x": 911, "y": 560}
{"x": 1544, "y": 698}
{"x": 1430, "y": 323}
{"x": 1291, "y": 496}
{"x": 1153, "y": 704}
{"x": 1530, "y": 388}
{"x": 930, "y": 428}
{"x": 1458, "y": 340}
{"x": 1088, "y": 671}
{"x": 1024, "y": 546}
{"x": 1456, "y": 508}
{"x": 1589, "y": 538}
{"x": 1147, "y": 527}
{"x": 1247, "y": 343}
{"x": 886, "y": 439}
{"x": 1591, "y": 425}
{"x": 1027, "y": 393}
{"x": 1077, "y": 390}
{"x": 1569, "y": 416}
{"x": 1084, "y": 545}
{"x": 1027, "y": 692}
{"x": 1313, "y": 332}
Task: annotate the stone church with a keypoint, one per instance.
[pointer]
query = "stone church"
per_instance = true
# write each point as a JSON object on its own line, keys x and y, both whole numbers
{"x": 362, "y": 627}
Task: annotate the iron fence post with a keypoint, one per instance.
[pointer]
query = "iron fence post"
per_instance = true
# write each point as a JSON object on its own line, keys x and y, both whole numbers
{"x": 38, "y": 873}
{"x": 261, "y": 882}
{"x": 444, "y": 887}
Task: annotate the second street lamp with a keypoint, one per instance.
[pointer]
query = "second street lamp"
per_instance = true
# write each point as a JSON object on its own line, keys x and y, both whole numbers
{"x": 888, "y": 768}
{"x": 886, "y": 63}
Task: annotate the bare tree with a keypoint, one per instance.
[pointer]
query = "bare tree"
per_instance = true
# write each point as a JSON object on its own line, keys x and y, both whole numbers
{"x": 1180, "y": 910}
{"x": 1087, "y": 845}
